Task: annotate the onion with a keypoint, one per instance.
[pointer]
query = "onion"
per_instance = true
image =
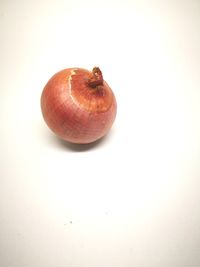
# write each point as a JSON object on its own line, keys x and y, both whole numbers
{"x": 78, "y": 105}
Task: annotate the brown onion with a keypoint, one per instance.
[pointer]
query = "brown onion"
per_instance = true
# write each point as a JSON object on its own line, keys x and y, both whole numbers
{"x": 78, "y": 105}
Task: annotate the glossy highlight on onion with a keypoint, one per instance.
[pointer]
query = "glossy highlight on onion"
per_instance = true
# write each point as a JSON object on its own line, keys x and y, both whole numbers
{"x": 78, "y": 105}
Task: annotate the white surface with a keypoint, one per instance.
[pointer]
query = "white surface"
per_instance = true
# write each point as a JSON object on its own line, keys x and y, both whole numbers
{"x": 133, "y": 199}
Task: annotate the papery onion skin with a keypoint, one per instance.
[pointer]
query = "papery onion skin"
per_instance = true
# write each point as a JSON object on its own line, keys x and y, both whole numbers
{"x": 78, "y": 105}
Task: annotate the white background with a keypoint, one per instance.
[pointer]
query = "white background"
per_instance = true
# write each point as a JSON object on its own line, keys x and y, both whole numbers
{"x": 132, "y": 199}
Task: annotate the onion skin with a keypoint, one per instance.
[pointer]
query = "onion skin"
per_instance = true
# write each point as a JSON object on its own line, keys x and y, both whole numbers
{"x": 78, "y": 105}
